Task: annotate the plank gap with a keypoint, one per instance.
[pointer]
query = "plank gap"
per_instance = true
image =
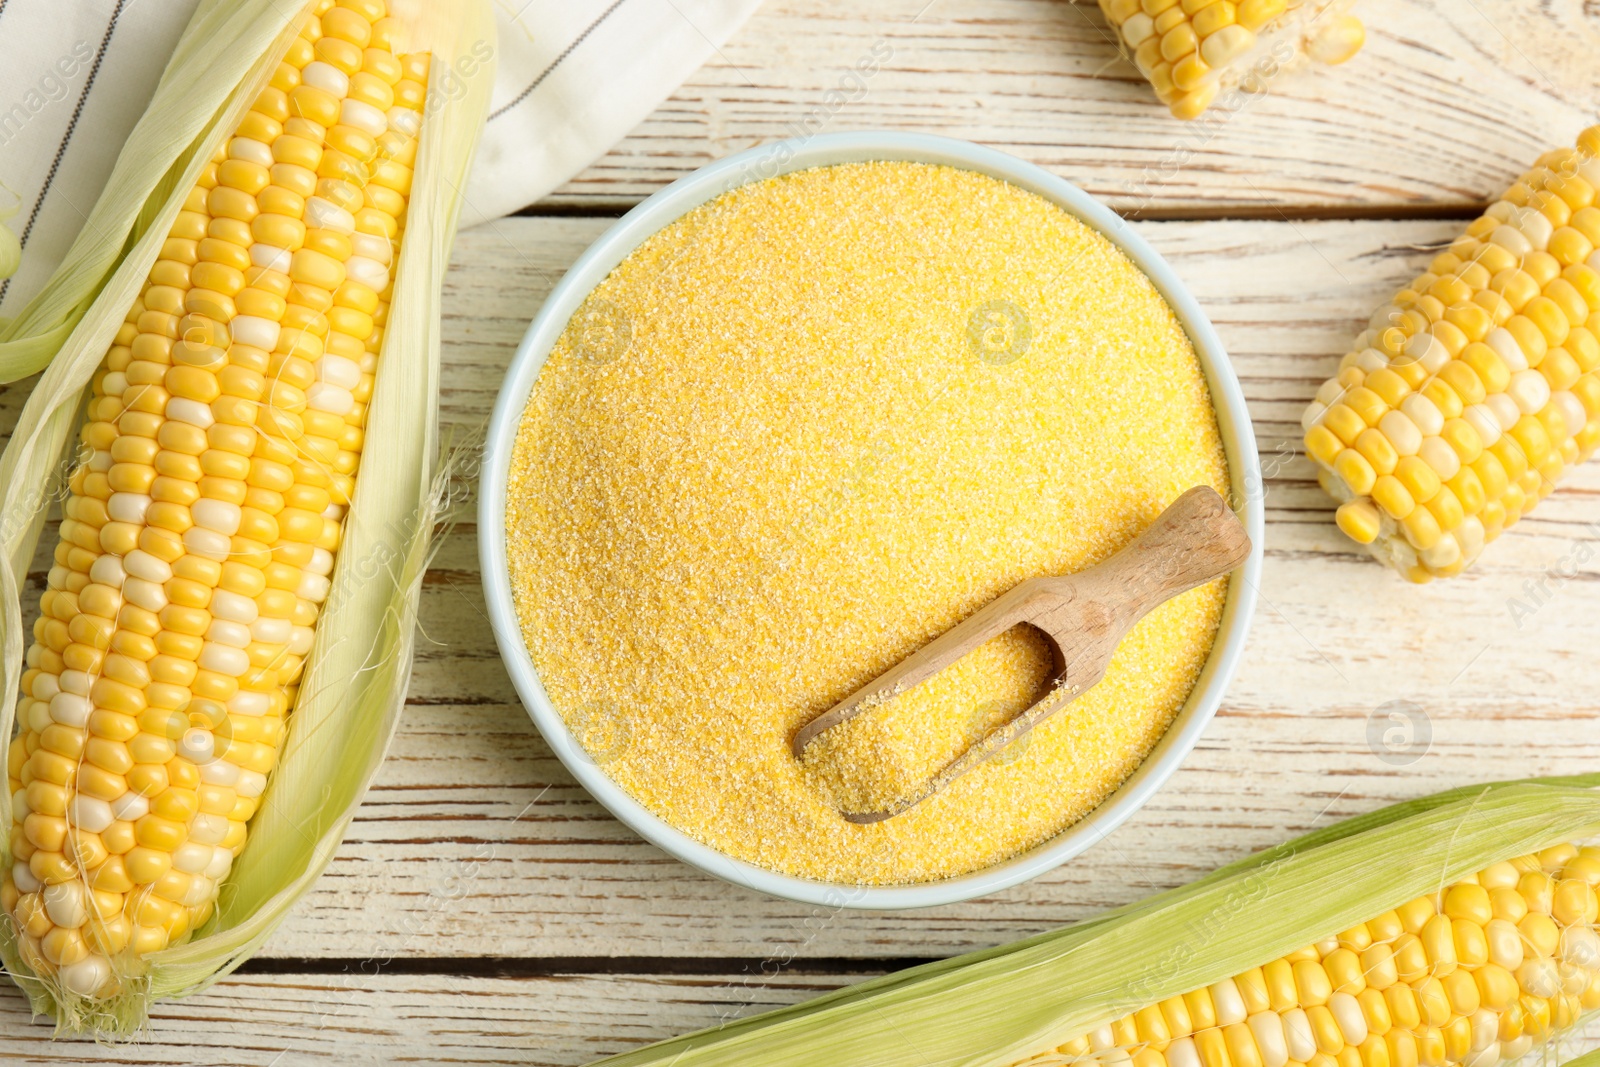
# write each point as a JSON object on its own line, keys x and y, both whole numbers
{"x": 1463, "y": 211}
{"x": 545, "y": 966}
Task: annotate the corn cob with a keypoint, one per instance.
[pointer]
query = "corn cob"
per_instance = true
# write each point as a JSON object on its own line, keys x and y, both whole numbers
{"x": 1191, "y": 50}
{"x": 1422, "y": 892}
{"x": 1475, "y": 388}
{"x": 1469, "y": 977}
{"x": 223, "y": 438}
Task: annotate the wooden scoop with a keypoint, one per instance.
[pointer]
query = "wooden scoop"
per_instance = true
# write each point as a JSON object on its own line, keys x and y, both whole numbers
{"x": 1083, "y": 615}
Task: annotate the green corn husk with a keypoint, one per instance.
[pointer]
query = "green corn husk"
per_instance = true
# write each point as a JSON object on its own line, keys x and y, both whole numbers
{"x": 998, "y": 1006}
{"x": 355, "y": 676}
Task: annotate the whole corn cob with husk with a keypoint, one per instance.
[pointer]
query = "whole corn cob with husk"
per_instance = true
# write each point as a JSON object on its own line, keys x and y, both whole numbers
{"x": 1451, "y": 931}
{"x": 215, "y": 483}
{"x": 1193, "y": 50}
{"x": 1476, "y": 387}
{"x": 1473, "y": 975}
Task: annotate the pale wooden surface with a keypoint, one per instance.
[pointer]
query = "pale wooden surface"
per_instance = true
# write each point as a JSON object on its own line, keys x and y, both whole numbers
{"x": 1447, "y": 103}
{"x": 484, "y": 910}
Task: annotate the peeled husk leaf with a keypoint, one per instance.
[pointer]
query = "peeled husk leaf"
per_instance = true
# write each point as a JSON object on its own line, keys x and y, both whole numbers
{"x": 355, "y": 678}
{"x": 998, "y": 1006}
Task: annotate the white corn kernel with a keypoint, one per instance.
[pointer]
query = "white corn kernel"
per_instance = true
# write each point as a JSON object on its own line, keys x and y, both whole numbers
{"x": 1427, "y": 350}
{"x": 324, "y": 214}
{"x": 1181, "y": 1053}
{"x": 1512, "y": 240}
{"x": 141, "y": 564}
{"x": 64, "y": 903}
{"x": 208, "y": 543}
{"x": 1228, "y": 1002}
{"x": 251, "y": 151}
{"x": 90, "y": 813}
{"x": 1483, "y": 420}
{"x": 270, "y": 257}
{"x": 337, "y": 370}
{"x": 1505, "y": 408}
{"x": 208, "y": 829}
{"x": 219, "y": 772}
{"x": 1580, "y": 946}
{"x": 108, "y": 570}
{"x": 327, "y": 77}
{"x": 369, "y": 272}
{"x": 86, "y": 976}
{"x": 271, "y": 631}
{"x": 1297, "y": 1034}
{"x": 191, "y": 857}
{"x": 22, "y": 876}
{"x": 130, "y": 807}
{"x": 1402, "y": 433}
{"x": 1573, "y": 413}
{"x": 197, "y": 745}
{"x": 1441, "y": 457}
{"x": 182, "y": 409}
{"x": 128, "y": 507}
{"x": 1268, "y": 1030}
{"x": 221, "y": 863}
{"x": 363, "y": 116}
{"x": 223, "y": 659}
{"x": 226, "y": 632}
{"x": 312, "y": 587}
{"x": 70, "y": 709}
{"x": 255, "y": 331}
{"x": 233, "y": 607}
{"x": 1506, "y": 347}
{"x": 1529, "y": 390}
{"x": 323, "y": 396}
{"x": 249, "y": 702}
{"x": 143, "y": 594}
{"x": 300, "y": 640}
{"x": 1424, "y": 412}
{"x": 372, "y": 246}
{"x": 46, "y": 685}
{"x": 217, "y": 515}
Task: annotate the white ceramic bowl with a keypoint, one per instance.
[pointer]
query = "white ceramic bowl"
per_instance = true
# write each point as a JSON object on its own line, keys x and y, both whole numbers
{"x": 780, "y": 158}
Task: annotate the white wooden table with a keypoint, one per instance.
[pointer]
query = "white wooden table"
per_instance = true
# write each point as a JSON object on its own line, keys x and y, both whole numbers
{"x": 485, "y": 910}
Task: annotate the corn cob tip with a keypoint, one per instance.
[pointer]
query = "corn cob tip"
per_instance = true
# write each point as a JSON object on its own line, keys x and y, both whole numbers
{"x": 1192, "y": 50}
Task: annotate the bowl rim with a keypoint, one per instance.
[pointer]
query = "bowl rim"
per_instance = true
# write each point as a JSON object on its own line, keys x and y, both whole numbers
{"x": 800, "y": 153}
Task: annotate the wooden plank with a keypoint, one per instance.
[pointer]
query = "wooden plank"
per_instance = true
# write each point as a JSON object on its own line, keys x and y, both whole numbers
{"x": 560, "y": 1020}
{"x": 1450, "y": 100}
{"x": 476, "y": 842}
{"x": 557, "y": 1020}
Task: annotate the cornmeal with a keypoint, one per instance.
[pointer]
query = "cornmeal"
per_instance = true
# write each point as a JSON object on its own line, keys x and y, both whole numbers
{"x": 800, "y": 432}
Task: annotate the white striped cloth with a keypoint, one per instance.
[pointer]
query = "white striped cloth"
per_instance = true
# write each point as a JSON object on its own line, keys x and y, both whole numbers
{"x": 573, "y": 77}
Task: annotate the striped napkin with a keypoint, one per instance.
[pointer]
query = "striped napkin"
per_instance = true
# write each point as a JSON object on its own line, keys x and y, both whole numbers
{"x": 573, "y": 77}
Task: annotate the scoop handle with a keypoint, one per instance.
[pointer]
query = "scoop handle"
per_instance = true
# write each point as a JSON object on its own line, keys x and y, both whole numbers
{"x": 1197, "y": 538}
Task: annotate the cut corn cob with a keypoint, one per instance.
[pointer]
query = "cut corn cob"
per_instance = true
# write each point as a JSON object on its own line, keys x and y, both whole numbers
{"x": 1470, "y": 394}
{"x": 1193, "y": 50}
{"x": 223, "y": 438}
{"x": 1472, "y": 976}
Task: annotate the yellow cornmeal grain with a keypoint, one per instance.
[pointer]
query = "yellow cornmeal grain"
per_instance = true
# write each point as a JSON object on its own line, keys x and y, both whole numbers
{"x": 887, "y": 752}
{"x": 802, "y": 431}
